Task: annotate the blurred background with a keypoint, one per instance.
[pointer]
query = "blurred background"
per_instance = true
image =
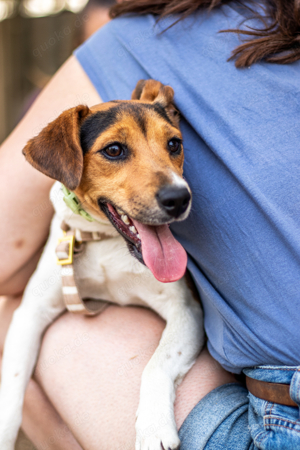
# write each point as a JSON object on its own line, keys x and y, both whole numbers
{"x": 36, "y": 37}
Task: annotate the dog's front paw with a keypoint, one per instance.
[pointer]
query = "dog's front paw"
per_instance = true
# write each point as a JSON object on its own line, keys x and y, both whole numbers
{"x": 155, "y": 432}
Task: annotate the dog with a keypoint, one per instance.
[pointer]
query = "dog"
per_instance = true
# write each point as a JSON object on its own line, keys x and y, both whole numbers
{"x": 123, "y": 162}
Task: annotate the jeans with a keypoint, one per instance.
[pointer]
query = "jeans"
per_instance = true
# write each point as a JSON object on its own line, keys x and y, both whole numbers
{"x": 230, "y": 418}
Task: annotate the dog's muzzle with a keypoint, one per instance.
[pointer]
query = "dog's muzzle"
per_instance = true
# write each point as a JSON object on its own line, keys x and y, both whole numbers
{"x": 174, "y": 200}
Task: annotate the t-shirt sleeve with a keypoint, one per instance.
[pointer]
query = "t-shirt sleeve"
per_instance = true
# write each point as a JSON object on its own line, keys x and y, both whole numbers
{"x": 110, "y": 64}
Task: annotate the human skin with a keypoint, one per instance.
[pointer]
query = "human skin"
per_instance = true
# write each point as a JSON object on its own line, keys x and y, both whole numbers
{"x": 94, "y": 18}
{"x": 26, "y": 211}
{"x": 89, "y": 368}
{"x": 41, "y": 422}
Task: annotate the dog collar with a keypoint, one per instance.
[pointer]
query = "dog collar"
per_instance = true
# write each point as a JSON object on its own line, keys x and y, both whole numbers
{"x": 73, "y": 203}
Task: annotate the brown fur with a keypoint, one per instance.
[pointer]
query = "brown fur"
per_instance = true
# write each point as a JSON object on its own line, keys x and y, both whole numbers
{"x": 152, "y": 90}
{"x": 133, "y": 183}
{"x": 56, "y": 151}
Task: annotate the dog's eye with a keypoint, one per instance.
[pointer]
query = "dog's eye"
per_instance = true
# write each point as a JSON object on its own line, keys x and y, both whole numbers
{"x": 113, "y": 151}
{"x": 174, "y": 146}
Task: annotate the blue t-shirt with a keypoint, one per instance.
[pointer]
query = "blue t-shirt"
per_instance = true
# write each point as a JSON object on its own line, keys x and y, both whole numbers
{"x": 241, "y": 135}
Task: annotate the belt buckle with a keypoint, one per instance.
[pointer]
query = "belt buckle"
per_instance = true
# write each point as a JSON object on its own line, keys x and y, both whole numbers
{"x": 71, "y": 240}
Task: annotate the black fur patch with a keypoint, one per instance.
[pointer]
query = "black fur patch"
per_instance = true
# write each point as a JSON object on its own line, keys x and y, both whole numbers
{"x": 97, "y": 123}
{"x": 94, "y": 125}
{"x": 160, "y": 110}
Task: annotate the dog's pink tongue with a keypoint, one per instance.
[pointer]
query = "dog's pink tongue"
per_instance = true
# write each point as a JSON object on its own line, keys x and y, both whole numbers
{"x": 162, "y": 254}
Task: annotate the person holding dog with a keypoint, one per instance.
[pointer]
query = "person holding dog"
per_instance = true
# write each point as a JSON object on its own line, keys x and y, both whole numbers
{"x": 240, "y": 129}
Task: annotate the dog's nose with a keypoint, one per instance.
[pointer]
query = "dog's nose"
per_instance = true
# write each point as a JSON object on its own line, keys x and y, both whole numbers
{"x": 174, "y": 200}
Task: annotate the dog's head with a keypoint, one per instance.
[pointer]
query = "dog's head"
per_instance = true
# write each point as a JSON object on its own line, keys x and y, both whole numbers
{"x": 124, "y": 161}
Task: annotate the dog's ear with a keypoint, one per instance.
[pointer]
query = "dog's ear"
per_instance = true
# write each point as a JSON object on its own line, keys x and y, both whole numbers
{"x": 56, "y": 151}
{"x": 155, "y": 92}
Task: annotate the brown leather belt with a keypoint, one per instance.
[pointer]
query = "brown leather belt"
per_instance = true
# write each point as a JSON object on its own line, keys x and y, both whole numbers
{"x": 270, "y": 392}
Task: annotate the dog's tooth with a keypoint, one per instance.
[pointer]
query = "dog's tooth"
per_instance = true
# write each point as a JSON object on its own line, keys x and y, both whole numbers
{"x": 125, "y": 219}
{"x": 138, "y": 236}
{"x": 119, "y": 211}
{"x": 133, "y": 229}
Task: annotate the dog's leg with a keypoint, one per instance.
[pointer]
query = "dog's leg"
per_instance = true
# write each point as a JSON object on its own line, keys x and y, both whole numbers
{"x": 178, "y": 349}
{"x": 42, "y": 302}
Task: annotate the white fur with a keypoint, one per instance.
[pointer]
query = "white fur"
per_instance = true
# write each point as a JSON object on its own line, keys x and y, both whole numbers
{"x": 105, "y": 270}
{"x": 179, "y": 182}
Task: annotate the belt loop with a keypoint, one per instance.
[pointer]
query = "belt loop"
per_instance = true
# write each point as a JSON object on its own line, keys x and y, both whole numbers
{"x": 295, "y": 387}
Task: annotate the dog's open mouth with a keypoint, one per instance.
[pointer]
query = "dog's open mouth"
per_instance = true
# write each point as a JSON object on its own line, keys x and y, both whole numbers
{"x": 125, "y": 227}
{"x": 154, "y": 246}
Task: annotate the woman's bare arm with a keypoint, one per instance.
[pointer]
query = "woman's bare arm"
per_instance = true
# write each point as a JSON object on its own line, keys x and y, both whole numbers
{"x": 24, "y": 192}
{"x": 41, "y": 422}
{"x": 90, "y": 369}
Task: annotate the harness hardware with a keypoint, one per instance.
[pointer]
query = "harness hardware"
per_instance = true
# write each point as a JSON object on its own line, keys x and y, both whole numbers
{"x": 65, "y": 257}
{"x": 70, "y": 240}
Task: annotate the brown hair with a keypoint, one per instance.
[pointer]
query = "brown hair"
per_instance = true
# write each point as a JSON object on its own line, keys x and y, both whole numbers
{"x": 278, "y": 41}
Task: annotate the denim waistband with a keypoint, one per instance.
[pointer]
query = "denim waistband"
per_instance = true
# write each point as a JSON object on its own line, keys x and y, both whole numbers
{"x": 278, "y": 374}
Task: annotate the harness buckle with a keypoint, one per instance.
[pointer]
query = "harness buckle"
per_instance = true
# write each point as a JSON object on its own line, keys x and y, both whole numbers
{"x": 70, "y": 239}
